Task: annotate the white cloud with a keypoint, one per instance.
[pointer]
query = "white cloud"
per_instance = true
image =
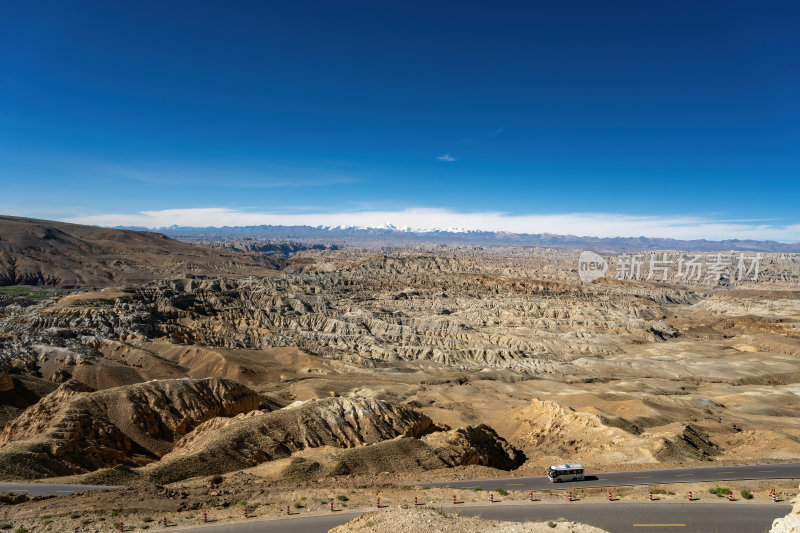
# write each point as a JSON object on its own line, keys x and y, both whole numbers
{"x": 446, "y": 157}
{"x": 426, "y": 219}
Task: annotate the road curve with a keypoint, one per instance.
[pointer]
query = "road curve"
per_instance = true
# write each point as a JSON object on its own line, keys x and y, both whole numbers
{"x": 616, "y": 517}
{"x": 646, "y": 477}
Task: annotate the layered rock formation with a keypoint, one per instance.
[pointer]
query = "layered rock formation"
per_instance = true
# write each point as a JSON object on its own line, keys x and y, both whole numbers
{"x": 74, "y": 429}
{"x": 363, "y": 315}
{"x": 550, "y": 430}
{"x": 442, "y": 449}
{"x": 224, "y": 445}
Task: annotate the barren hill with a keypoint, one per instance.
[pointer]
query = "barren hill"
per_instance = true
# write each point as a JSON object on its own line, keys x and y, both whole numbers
{"x": 226, "y": 444}
{"x": 41, "y": 252}
{"x": 74, "y": 429}
{"x": 465, "y": 446}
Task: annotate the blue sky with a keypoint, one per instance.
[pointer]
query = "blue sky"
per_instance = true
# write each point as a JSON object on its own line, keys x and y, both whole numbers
{"x": 639, "y": 118}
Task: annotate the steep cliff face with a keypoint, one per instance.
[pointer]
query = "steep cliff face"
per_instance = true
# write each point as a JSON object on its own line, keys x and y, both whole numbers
{"x": 75, "y": 429}
{"x": 18, "y": 392}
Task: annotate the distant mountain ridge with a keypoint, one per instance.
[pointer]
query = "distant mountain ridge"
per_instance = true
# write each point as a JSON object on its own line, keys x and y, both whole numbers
{"x": 392, "y": 237}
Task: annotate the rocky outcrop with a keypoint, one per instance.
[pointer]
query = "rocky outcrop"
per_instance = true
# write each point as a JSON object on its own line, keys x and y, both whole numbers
{"x": 74, "y": 429}
{"x": 475, "y": 445}
{"x": 400, "y": 520}
{"x": 549, "y": 429}
{"x": 789, "y": 523}
{"x": 442, "y": 449}
{"x": 224, "y": 445}
{"x": 689, "y": 442}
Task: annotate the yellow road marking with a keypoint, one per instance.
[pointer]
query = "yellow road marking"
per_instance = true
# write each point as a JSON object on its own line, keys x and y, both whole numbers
{"x": 681, "y": 475}
{"x": 640, "y": 477}
{"x": 602, "y": 479}
{"x": 67, "y": 491}
{"x": 659, "y": 525}
{"x": 725, "y": 472}
{"x": 509, "y": 484}
{"x": 766, "y": 470}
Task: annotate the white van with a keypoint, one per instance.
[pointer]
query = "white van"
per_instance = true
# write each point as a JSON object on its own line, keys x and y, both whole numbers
{"x": 565, "y": 472}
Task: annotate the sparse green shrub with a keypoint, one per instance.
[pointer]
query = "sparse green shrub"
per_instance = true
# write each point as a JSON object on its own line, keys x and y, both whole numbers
{"x": 551, "y": 523}
{"x": 112, "y": 514}
{"x": 502, "y": 492}
{"x": 746, "y": 494}
{"x": 719, "y": 491}
{"x": 298, "y": 505}
{"x": 46, "y": 516}
{"x": 477, "y": 489}
{"x": 342, "y": 498}
{"x": 147, "y": 519}
{"x": 425, "y": 488}
{"x": 86, "y": 522}
{"x": 74, "y": 516}
{"x": 5, "y": 525}
{"x": 21, "y": 530}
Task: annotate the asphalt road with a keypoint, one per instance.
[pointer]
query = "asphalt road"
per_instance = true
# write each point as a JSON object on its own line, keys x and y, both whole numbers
{"x": 48, "y": 489}
{"x": 616, "y": 517}
{"x": 610, "y": 479}
{"x": 647, "y": 477}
